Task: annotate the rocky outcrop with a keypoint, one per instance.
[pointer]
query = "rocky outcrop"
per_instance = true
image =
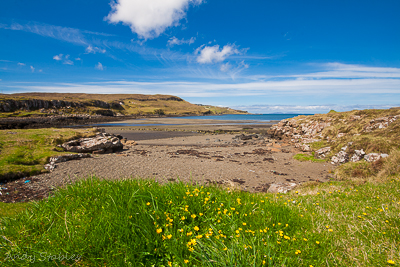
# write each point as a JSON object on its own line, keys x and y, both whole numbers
{"x": 10, "y": 105}
{"x": 380, "y": 123}
{"x": 53, "y": 121}
{"x": 102, "y": 143}
{"x": 292, "y": 128}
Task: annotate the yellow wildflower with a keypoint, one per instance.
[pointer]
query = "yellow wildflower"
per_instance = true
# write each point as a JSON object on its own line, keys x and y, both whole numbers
{"x": 159, "y": 230}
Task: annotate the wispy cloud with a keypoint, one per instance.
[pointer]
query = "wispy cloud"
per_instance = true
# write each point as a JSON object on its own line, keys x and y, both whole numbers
{"x": 101, "y": 44}
{"x": 65, "y": 59}
{"x": 149, "y": 18}
{"x": 21, "y": 64}
{"x": 340, "y": 70}
{"x": 313, "y": 92}
{"x": 175, "y": 41}
{"x": 99, "y": 66}
{"x": 58, "y": 57}
{"x": 70, "y": 35}
{"x": 93, "y": 50}
{"x": 307, "y": 109}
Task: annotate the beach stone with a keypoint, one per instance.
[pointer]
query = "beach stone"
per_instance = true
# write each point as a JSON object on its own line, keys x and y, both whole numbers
{"x": 341, "y": 157}
{"x": 372, "y": 157}
{"x": 281, "y": 187}
{"x": 128, "y": 143}
{"x": 340, "y": 135}
{"x": 305, "y": 148}
{"x": 321, "y": 153}
{"x": 358, "y": 155}
{"x": 63, "y": 158}
{"x": 102, "y": 141}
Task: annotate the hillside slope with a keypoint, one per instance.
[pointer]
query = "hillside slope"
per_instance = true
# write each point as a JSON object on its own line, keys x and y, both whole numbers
{"x": 42, "y": 104}
{"x": 362, "y": 143}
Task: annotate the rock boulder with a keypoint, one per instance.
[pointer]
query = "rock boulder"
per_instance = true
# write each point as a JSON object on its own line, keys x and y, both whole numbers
{"x": 102, "y": 142}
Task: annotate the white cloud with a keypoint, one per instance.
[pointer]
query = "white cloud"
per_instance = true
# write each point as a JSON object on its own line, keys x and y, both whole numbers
{"x": 78, "y": 59}
{"x": 93, "y": 50}
{"x": 149, "y": 18}
{"x": 21, "y": 64}
{"x": 225, "y": 67}
{"x": 32, "y": 69}
{"x": 99, "y": 66}
{"x": 58, "y": 57}
{"x": 306, "y": 109}
{"x": 65, "y": 59}
{"x": 175, "y": 41}
{"x": 212, "y": 54}
{"x": 313, "y": 92}
{"x": 340, "y": 70}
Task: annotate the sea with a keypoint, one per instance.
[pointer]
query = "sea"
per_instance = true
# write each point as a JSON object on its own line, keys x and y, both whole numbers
{"x": 242, "y": 119}
{"x": 245, "y": 117}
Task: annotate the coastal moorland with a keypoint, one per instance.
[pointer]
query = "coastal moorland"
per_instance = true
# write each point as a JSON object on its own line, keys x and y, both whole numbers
{"x": 46, "y": 104}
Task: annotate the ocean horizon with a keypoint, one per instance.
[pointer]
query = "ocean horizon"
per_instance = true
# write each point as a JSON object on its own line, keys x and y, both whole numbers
{"x": 245, "y": 117}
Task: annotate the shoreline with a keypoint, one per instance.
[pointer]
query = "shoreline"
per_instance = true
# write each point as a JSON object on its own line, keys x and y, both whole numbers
{"x": 192, "y": 153}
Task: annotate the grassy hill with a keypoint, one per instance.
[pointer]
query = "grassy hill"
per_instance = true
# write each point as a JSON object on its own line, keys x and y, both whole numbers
{"x": 43, "y": 104}
{"x": 373, "y": 131}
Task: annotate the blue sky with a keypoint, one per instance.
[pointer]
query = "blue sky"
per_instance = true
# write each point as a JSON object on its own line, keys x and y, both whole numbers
{"x": 260, "y": 56}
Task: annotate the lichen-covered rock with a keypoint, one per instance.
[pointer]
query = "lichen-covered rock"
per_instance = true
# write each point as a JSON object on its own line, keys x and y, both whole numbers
{"x": 380, "y": 123}
{"x": 372, "y": 157}
{"x": 322, "y": 152}
{"x": 281, "y": 187}
{"x": 358, "y": 155}
{"x": 339, "y": 158}
{"x": 292, "y": 128}
{"x": 303, "y": 147}
{"x": 102, "y": 142}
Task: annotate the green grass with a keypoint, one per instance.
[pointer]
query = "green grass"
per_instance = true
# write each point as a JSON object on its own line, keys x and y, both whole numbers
{"x": 24, "y": 152}
{"x": 143, "y": 223}
{"x": 307, "y": 157}
{"x": 12, "y": 209}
